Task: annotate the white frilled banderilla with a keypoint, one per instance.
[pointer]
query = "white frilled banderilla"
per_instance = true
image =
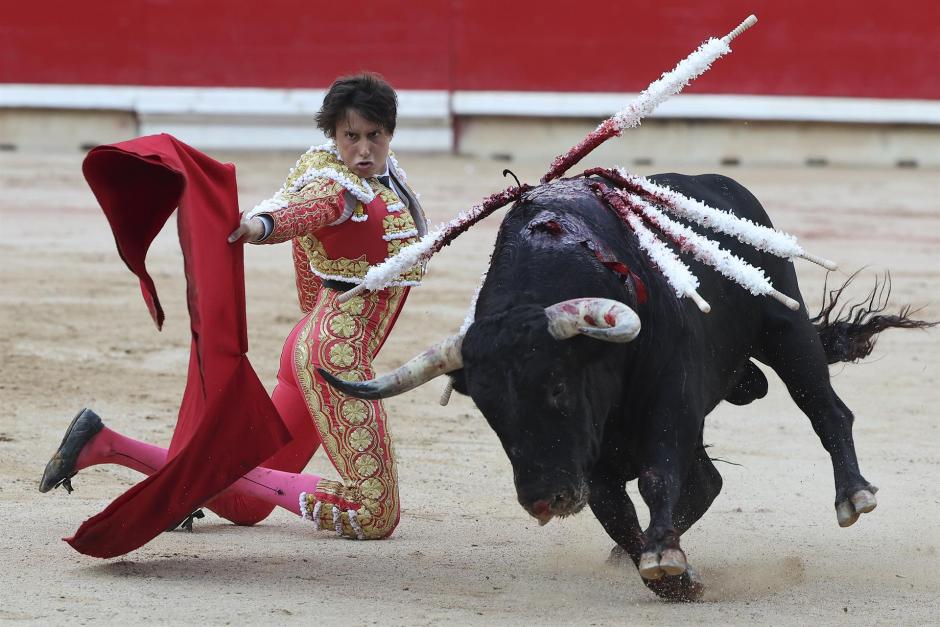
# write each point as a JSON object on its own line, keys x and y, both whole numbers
{"x": 643, "y": 206}
{"x": 640, "y": 203}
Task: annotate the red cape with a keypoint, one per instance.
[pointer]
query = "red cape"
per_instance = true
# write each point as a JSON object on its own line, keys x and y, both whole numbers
{"x": 227, "y": 424}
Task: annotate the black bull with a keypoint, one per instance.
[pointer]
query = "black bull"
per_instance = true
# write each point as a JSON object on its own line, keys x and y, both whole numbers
{"x": 579, "y": 417}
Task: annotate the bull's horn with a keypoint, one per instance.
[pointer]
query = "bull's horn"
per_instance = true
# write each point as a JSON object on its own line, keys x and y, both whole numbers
{"x": 441, "y": 358}
{"x": 600, "y": 318}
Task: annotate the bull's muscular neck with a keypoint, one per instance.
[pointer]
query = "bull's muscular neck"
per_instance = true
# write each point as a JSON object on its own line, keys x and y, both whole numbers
{"x": 551, "y": 247}
{"x": 541, "y": 258}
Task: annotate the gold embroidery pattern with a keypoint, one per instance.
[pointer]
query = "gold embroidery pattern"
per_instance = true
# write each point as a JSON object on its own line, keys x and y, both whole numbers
{"x": 357, "y": 268}
{"x": 388, "y": 196}
{"x": 366, "y": 465}
{"x": 360, "y": 439}
{"x": 342, "y": 339}
{"x": 415, "y": 273}
{"x": 303, "y": 216}
{"x": 384, "y": 326}
{"x": 321, "y": 159}
{"x": 343, "y": 325}
{"x": 354, "y": 306}
{"x": 371, "y": 489}
{"x": 396, "y": 245}
{"x": 318, "y": 189}
{"x": 308, "y": 284}
{"x": 393, "y": 224}
{"x": 354, "y": 410}
{"x": 331, "y": 492}
{"x": 342, "y": 356}
{"x": 336, "y": 268}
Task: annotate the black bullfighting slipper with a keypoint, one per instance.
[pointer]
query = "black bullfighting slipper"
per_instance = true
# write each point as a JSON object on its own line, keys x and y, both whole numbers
{"x": 187, "y": 523}
{"x": 61, "y": 468}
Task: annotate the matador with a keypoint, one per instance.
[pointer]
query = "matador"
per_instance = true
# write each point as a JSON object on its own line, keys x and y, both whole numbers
{"x": 345, "y": 206}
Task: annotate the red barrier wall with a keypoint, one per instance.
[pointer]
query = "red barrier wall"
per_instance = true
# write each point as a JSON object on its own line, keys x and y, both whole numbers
{"x": 799, "y": 47}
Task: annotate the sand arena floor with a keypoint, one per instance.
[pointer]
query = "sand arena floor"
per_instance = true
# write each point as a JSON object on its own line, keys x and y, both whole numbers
{"x": 76, "y": 333}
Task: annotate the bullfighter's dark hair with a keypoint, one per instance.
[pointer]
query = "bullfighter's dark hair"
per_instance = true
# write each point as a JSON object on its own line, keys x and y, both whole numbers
{"x": 368, "y": 94}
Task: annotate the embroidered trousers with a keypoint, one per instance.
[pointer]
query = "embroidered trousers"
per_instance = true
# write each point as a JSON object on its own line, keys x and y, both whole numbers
{"x": 343, "y": 340}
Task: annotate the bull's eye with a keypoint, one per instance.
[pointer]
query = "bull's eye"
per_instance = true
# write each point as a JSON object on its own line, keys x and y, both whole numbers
{"x": 558, "y": 389}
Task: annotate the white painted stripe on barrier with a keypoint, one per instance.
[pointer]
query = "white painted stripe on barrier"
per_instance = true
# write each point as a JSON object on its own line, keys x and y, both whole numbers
{"x": 203, "y": 100}
{"x": 699, "y": 106}
{"x": 436, "y": 106}
{"x": 268, "y": 134}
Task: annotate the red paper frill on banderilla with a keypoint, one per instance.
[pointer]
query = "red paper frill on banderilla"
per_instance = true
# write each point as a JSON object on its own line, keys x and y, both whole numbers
{"x": 227, "y": 424}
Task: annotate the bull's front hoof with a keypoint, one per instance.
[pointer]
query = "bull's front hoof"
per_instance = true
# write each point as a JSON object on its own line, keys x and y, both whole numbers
{"x": 673, "y": 562}
{"x": 686, "y": 587}
{"x": 669, "y": 563}
{"x": 861, "y": 502}
{"x": 649, "y": 566}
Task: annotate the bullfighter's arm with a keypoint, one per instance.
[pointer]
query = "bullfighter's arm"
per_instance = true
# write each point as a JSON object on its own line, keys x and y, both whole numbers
{"x": 318, "y": 204}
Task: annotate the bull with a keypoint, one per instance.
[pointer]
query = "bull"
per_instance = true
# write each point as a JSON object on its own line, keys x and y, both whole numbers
{"x": 583, "y": 401}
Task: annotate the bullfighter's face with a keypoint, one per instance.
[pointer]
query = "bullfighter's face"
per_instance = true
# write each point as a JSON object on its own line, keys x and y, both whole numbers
{"x": 363, "y": 145}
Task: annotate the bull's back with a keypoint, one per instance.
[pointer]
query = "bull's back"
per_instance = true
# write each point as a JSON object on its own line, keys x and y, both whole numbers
{"x": 726, "y": 194}
{"x": 716, "y": 345}
{"x": 718, "y": 191}
{"x": 733, "y": 330}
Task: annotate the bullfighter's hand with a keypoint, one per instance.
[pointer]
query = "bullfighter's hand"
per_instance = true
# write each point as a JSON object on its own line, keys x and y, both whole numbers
{"x": 250, "y": 230}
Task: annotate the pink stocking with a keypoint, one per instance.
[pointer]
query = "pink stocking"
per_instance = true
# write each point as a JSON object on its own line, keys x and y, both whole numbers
{"x": 274, "y": 487}
{"x": 271, "y": 486}
{"x": 110, "y": 447}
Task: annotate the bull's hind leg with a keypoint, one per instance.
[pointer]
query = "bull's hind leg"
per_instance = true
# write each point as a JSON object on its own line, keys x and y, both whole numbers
{"x": 795, "y": 353}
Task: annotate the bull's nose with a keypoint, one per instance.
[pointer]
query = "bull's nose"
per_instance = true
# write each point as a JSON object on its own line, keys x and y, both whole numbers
{"x": 545, "y": 496}
{"x": 545, "y": 509}
{"x": 541, "y": 508}
{"x": 560, "y": 502}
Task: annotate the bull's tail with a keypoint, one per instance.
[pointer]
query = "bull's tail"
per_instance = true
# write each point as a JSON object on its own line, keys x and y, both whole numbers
{"x": 849, "y": 332}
